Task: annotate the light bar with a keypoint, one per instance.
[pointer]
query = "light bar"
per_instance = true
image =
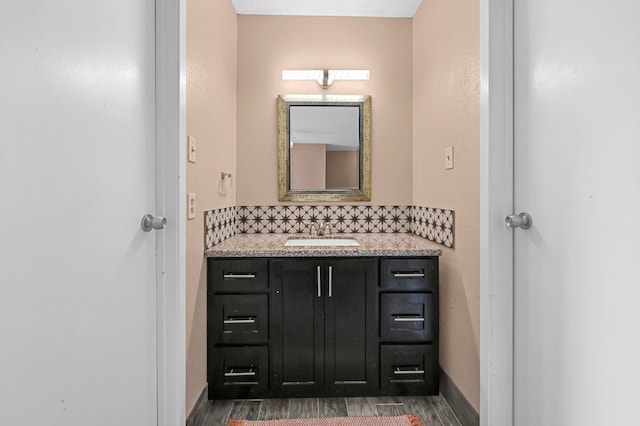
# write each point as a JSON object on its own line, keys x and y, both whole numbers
{"x": 325, "y": 77}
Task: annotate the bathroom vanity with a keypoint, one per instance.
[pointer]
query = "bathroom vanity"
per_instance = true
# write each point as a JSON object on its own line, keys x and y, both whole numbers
{"x": 312, "y": 321}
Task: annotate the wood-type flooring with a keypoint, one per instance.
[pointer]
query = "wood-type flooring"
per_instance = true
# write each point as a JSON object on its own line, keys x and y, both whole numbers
{"x": 433, "y": 410}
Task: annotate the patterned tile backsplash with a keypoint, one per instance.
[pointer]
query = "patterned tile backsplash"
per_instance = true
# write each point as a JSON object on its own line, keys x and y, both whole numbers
{"x": 219, "y": 225}
{"x": 344, "y": 219}
{"x": 433, "y": 224}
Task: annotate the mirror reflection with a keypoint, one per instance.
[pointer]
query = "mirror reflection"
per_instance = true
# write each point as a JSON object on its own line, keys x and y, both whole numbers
{"x": 324, "y": 147}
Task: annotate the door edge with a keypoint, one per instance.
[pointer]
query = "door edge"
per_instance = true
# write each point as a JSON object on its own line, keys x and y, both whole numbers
{"x": 496, "y": 201}
{"x": 171, "y": 159}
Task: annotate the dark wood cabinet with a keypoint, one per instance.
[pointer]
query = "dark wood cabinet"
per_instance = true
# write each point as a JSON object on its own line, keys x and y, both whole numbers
{"x": 306, "y": 327}
{"x": 323, "y": 326}
{"x": 238, "y": 328}
{"x": 297, "y": 327}
{"x": 409, "y": 326}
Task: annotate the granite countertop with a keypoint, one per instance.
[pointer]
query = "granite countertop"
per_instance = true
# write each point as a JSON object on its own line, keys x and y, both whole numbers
{"x": 272, "y": 245}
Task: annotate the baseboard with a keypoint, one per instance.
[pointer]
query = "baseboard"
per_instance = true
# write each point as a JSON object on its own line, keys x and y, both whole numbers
{"x": 464, "y": 411}
{"x": 199, "y": 405}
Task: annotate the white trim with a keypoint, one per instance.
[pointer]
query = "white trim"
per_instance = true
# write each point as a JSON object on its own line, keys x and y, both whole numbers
{"x": 170, "y": 192}
{"x": 496, "y": 202}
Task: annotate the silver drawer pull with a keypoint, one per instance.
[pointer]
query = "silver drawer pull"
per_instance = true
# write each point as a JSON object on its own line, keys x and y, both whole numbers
{"x": 240, "y": 276}
{"x": 408, "y": 275}
{"x": 239, "y": 373}
{"x": 414, "y": 371}
{"x": 408, "y": 319}
{"x": 240, "y": 321}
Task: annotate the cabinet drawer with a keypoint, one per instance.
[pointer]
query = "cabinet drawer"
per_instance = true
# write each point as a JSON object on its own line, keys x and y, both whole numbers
{"x": 417, "y": 274}
{"x": 239, "y": 372}
{"x": 239, "y": 318}
{"x": 238, "y": 275}
{"x": 409, "y": 369}
{"x": 408, "y": 317}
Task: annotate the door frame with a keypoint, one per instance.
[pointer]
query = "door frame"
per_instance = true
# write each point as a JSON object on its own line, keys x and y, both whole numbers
{"x": 496, "y": 201}
{"x": 170, "y": 117}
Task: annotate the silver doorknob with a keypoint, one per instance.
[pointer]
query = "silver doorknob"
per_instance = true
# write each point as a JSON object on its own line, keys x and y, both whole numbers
{"x": 150, "y": 222}
{"x": 523, "y": 220}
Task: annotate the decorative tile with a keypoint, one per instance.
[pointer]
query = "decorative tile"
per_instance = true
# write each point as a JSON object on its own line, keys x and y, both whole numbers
{"x": 344, "y": 219}
{"x": 220, "y": 225}
{"x": 434, "y": 224}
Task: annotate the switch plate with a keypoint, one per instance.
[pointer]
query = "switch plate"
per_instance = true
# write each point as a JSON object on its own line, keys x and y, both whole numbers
{"x": 191, "y": 205}
{"x": 448, "y": 158}
{"x": 191, "y": 147}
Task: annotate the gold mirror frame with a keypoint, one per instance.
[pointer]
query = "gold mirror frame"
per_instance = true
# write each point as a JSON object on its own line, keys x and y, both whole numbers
{"x": 285, "y": 193}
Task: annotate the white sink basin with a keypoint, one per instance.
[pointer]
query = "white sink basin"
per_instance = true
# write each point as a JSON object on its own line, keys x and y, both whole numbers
{"x": 321, "y": 242}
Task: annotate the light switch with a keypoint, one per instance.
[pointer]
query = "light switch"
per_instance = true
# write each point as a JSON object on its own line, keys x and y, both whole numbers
{"x": 191, "y": 146}
{"x": 191, "y": 205}
{"x": 448, "y": 158}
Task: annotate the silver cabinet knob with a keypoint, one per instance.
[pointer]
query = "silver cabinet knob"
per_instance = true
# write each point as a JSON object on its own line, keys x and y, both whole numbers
{"x": 150, "y": 222}
{"x": 523, "y": 220}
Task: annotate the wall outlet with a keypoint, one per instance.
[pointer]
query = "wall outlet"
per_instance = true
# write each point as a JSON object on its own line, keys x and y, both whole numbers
{"x": 191, "y": 146}
{"x": 191, "y": 205}
{"x": 448, "y": 158}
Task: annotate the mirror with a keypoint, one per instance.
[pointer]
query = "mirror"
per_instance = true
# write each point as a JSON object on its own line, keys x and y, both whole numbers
{"x": 324, "y": 148}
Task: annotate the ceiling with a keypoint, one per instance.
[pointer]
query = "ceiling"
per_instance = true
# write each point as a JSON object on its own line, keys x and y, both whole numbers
{"x": 369, "y": 8}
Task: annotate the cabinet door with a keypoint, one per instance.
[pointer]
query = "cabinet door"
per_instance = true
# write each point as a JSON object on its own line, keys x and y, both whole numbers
{"x": 409, "y": 369}
{"x": 239, "y": 319}
{"x": 237, "y": 275}
{"x": 408, "y": 317}
{"x": 409, "y": 274}
{"x": 238, "y": 372}
{"x": 297, "y": 325}
{"x": 351, "y": 361}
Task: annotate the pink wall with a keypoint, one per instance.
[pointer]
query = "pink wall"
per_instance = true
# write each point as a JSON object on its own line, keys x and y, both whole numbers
{"x": 308, "y": 166}
{"x": 446, "y": 95}
{"x": 269, "y": 44}
{"x": 211, "y": 119}
{"x": 342, "y": 169}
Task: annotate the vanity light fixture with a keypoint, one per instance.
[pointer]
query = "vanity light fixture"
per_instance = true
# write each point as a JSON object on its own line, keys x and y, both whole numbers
{"x": 325, "y": 78}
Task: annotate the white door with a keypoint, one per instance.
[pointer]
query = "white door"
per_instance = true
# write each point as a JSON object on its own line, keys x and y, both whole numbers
{"x": 77, "y": 173}
{"x": 576, "y": 165}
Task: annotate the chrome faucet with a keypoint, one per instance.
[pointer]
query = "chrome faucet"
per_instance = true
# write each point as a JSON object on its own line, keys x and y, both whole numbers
{"x": 323, "y": 228}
